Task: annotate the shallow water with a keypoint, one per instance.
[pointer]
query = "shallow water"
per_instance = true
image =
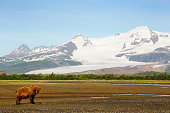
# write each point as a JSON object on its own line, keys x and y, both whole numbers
{"x": 153, "y": 95}
{"x": 122, "y": 94}
{"x": 159, "y": 85}
{"x": 109, "y": 83}
{"x": 143, "y": 95}
{"x": 99, "y": 97}
{"x": 100, "y": 83}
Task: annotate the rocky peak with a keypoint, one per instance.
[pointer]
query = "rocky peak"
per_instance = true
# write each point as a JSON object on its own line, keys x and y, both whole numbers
{"x": 20, "y": 51}
{"x": 143, "y": 34}
{"x": 23, "y": 47}
{"x": 81, "y": 41}
{"x": 80, "y": 37}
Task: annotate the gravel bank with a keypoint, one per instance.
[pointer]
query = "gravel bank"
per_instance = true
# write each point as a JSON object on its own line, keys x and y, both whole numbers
{"x": 113, "y": 104}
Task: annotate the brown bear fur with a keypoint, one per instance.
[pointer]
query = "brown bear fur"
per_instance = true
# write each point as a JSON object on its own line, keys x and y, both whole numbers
{"x": 25, "y": 92}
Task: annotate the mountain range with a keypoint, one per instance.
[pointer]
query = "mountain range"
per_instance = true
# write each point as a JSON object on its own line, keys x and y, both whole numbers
{"x": 139, "y": 47}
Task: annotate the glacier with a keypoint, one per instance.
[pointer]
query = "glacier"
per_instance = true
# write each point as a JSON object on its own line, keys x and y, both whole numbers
{"x": 98, "y": 53}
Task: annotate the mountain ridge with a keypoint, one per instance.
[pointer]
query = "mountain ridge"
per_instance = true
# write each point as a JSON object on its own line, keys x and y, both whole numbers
{"x": 137, "y": 46}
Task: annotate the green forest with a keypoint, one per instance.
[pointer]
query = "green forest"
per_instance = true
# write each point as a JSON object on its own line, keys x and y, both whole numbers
{"x": 140, "y": 76}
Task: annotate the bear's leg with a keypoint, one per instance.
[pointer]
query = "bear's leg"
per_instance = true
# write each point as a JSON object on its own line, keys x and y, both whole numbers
{"x": 18, "y": 99}
{"x": 32, "y": 99}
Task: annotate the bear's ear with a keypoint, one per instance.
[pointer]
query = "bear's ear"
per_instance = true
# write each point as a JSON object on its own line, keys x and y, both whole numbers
{"x": 32, "y": 86}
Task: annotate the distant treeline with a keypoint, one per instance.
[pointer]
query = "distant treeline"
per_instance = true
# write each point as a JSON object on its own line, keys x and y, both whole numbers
{"x": 148, "y": 76}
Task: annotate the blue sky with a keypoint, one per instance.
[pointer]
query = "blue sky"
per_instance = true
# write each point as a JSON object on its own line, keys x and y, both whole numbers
{"x": 53, "y": 22}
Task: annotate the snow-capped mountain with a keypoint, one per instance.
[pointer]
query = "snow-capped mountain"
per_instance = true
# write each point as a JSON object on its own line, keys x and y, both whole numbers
{"x": 138, "y": 45}
{"x": 141, "y": 40}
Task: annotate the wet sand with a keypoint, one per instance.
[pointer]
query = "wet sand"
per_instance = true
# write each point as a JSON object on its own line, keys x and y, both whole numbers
{"x": 85, "y": 97}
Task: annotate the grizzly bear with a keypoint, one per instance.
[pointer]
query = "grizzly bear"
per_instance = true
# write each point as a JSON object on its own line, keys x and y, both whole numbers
{"x": 25, "y": 92}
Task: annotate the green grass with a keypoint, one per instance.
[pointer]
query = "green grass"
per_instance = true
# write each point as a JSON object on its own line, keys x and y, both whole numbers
{"x": 88, "y": 81}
